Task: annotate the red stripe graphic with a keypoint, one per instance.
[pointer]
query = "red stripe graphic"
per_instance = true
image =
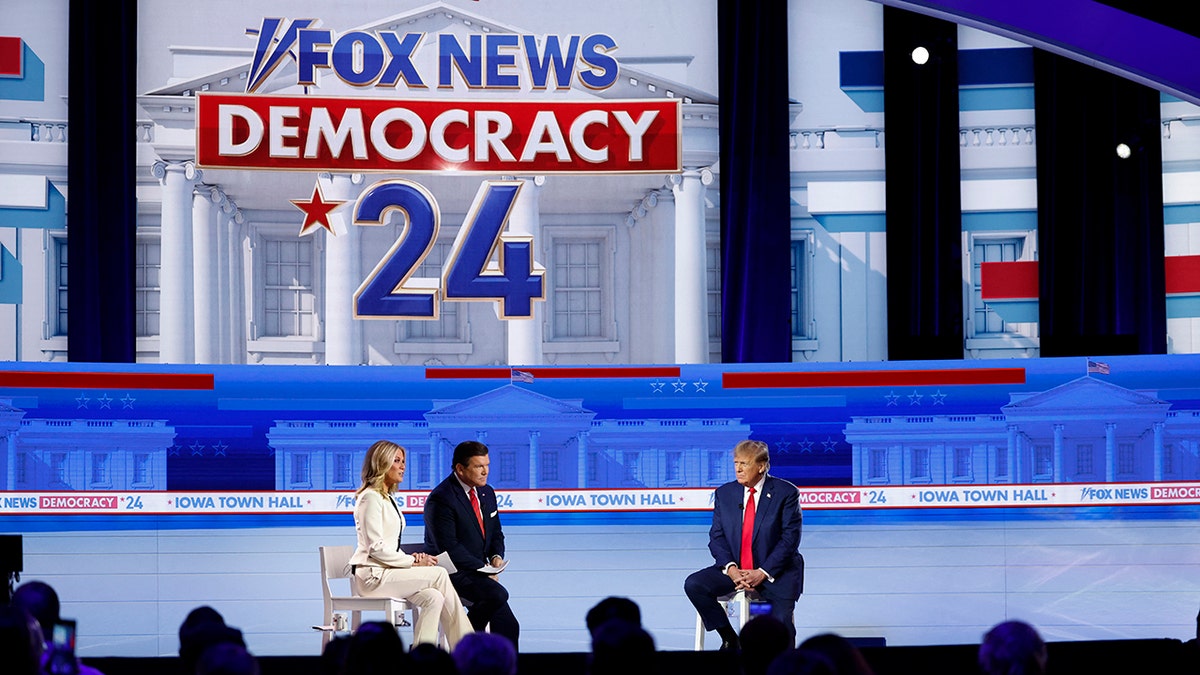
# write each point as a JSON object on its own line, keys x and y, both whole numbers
{"x": 1182, "y": 273}
{"x": 36, "y": 380}
{"x": 551, "y": 373}
{"x": 11, "y": 49}
{"x": 1009, "y": 280}
{"x": 874, "y": 378}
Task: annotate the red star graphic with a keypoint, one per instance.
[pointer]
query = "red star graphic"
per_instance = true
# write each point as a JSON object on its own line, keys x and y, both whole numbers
{"x": 316, "y": 211}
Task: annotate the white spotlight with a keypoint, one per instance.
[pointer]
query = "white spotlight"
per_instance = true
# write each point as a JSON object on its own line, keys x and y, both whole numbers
{"x": 920, "y": 56}
{"x": 1123, "y": 151}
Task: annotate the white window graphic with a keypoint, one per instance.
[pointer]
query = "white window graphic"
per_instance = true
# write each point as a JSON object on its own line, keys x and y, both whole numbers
{"x": 146, "y": 287}
{"x": 712, "y": 272}
{"x": 578, "y": 291}
{"x": 58, "y": 313}
{"x": 803, "y": 327}
{"x": 289, "y": 297}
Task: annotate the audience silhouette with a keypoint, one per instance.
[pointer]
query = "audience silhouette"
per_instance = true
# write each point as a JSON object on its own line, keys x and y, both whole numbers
{"x": 1012, "y": 648}
{"x": 20, "y": 641}
{"x": 485, "y": 654}
{"x": 227, "y": 658}
{"x": 801, "y": 662}
{"x": 613, "y": 607}
{"x": 41, "y": 601}
{"x": 201, "y": 629}
{"x": 844, "y": 656}
{"x": 621, "y": 647}
{"x": 429, "y": 659}
{"x": 375, "y": 649}
{"x": 762, "y": 639}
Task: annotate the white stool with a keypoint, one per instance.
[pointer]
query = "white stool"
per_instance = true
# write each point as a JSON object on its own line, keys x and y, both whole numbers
{"x": 742, "y": 599}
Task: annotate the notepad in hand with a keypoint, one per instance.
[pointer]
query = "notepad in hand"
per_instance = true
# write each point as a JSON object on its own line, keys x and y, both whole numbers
{"x": 494, "y": 569}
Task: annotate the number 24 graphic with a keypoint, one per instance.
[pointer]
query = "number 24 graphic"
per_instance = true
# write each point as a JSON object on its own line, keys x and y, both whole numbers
{"x": 391, "y": 292}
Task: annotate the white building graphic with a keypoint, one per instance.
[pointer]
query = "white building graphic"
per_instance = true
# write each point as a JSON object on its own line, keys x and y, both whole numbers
{"x": 1085, "y": 430}
{"x": 83, "y": 454}
{"x": 223, "y": 276}
{"x": 534, "y": 441}
{"x": 633, "y": 261}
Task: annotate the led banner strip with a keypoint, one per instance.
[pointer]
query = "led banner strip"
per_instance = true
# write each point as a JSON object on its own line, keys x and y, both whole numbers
{"x": 605, "y": 501}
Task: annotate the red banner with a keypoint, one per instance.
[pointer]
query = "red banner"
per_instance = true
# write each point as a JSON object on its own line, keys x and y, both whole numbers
{"x": 313, "y": 133}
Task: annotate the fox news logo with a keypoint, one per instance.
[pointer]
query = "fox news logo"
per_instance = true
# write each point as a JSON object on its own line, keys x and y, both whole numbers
{"x": 386, "y": 58}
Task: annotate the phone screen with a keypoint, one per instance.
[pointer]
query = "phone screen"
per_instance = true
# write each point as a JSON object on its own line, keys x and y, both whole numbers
{"x": 63, "y": 635}
{"x": 62, "y": 649}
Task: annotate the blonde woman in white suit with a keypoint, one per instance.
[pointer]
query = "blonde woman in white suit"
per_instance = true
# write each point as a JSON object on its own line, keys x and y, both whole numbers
{"x": 380, "y": 568}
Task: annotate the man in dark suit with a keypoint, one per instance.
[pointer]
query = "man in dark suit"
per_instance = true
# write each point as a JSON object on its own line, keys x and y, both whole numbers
{"x": 461, "y": 518}
{"x": 765, "y": 559}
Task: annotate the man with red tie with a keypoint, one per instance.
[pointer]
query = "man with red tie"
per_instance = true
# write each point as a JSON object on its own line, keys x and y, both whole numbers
{"x": 754, "y": 541}
{"x": 462, "y": 519}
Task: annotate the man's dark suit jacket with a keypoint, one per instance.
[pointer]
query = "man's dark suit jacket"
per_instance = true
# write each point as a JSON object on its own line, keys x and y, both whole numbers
{"x": 450, "y": 525}
{"x": 776, "y": 543}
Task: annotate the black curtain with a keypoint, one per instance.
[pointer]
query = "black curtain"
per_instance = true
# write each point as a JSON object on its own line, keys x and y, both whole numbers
{"x": 755, "y": 199}
{"x": 101, "y": 229}
{"x": 1100, "y": 215}
{"x": 924, "y": 206}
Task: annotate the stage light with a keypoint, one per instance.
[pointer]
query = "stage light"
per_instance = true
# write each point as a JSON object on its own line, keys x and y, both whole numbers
{"x": 920, "y": 56}
{"x": 1123, "y": 151}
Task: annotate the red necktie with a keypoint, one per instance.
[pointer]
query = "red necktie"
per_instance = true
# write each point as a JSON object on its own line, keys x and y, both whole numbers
{"x": 478, "y": 513}
{"x": 747, "y": 562}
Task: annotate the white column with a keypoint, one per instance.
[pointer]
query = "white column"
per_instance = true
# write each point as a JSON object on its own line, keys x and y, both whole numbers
{"x": 10, "y": 460}
{"x": 175, "y": 276}
{"x": 225, "y": 314}
{"x": 583, "y": 459}
{"x": 206, "y": 322}
{"x": 237, "y": 289}
{"x": 691, "y": 299}
{"x": 1011, "y": 451}
{"x": 1110, "y": 451}
{"x": 1057, "y": 469}
{"x": 1158, "y": 451}
{"x": 1018, "y": 461}
{"x": 525, "y": 335}
{"x": 343, "y": 335}
{"x": 227, "y": 281}
{"x": 533, "y": 458}
{"x": 435, "y": 446}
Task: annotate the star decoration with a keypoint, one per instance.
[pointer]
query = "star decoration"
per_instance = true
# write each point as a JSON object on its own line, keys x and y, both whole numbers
{"x": 915, "y": 398}
{"x": 316, "y": 211}
{"x": 127, "y": 401}
{"x": 783, "y": 446}
{"x": 806, "y": 446}
{"x": 828, "y": 445}
{"x": 657, "y": 386}
{"x": 105, "y": 401}
{"x": 219, "y": 449}
{"x": 938, "y": 398}
{"x": 174, "y": 450}
{"x": 82, "y": 401}
{"x": 699, "y": 384}
{"x": 892, "y": 398}
{"x": 197, "y": 449}
{"x": 679, "y": 385}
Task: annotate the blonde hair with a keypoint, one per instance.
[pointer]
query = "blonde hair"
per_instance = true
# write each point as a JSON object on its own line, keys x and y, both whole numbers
{"x": 376, "y": 465}
{"x": 755, "y": 450}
